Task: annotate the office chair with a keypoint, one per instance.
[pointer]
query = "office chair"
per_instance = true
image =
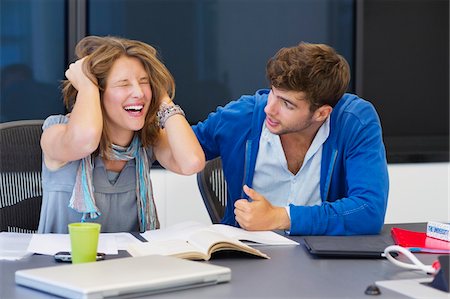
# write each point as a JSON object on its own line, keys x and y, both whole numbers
{"x": 20, "y": 175}
{"x": 213, "y": 188}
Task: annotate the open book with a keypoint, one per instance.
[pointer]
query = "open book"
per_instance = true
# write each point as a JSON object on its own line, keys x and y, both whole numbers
{"x": 192, "y": 240}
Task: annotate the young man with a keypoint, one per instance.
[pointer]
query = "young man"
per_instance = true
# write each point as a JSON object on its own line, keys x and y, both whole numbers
{"x": 302, "y": 156}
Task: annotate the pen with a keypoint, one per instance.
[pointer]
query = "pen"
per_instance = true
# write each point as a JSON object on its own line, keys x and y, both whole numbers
{"x": 428, "y": 250}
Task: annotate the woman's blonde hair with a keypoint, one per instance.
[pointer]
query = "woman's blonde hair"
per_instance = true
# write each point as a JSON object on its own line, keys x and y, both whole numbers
{"x": 102, "y": 52}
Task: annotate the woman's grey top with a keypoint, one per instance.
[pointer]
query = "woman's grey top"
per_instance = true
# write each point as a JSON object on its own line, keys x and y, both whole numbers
{"x": 116, "y": 201}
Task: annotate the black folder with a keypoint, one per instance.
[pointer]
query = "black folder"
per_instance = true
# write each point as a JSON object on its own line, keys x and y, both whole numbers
{"x": 368, "y": 246}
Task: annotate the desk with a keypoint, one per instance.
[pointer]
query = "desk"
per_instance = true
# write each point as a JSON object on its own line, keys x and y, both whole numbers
{"x": 291, "y": 272}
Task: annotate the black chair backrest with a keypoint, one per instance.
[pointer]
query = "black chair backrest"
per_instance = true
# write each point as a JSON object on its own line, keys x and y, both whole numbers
{"x": 20, "y": 175}
{"x": 213, "y": 188}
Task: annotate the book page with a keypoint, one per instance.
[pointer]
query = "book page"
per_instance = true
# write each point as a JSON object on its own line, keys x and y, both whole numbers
{"x": 206, "y": 239}
{"x": 189, "y": 240}
{"x": 211, "y": 241}
{"x": 255, "y": 237}
{"x": 179, "y": 231}
{"x": 179, "y": 248}
{"x": 183, "y": 230}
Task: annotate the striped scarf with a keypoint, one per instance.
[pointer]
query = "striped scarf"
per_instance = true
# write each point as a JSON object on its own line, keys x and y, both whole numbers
{"x": 83, "y": 201}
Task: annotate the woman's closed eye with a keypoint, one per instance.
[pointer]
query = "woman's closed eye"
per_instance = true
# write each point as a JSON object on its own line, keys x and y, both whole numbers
{"x": 144, "y": 81}
{"x": 122, "y": 83}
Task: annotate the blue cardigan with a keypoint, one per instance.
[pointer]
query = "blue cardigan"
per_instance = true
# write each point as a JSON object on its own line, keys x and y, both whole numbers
{"x": 354, "y": 179}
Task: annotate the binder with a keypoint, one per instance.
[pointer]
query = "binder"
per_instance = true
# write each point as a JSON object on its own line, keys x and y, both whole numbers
{"x": 418, "y": 241}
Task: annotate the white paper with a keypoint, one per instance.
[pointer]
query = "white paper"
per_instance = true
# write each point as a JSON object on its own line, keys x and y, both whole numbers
{"x": 183, "y": 230}
{"x": 13, "y": 246}
{"x": 124, "y": 240}
{"x": 108, "y": 243}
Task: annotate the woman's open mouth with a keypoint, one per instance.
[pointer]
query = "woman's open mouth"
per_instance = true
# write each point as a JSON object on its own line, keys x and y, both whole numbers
{"x": 134, "y": 110}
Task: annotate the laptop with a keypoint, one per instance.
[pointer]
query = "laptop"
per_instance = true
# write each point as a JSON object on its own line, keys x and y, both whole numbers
{"x": 370, "y": 246}
{"x": 130, "y": 276}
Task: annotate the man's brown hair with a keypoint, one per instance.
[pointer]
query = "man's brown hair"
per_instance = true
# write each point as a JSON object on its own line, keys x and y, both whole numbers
{"x": 315, "y": 69}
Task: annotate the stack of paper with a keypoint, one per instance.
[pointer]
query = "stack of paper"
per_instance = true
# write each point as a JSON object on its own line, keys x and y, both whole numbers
{"x": 13, "y": 246}
{"x": 108, "y": 243}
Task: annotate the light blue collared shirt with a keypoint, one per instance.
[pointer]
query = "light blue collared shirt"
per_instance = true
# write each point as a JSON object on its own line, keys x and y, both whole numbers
{"x": 276, "y": 183}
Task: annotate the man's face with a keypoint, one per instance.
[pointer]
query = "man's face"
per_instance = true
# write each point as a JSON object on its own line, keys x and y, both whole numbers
{"x": 287, "y": 112}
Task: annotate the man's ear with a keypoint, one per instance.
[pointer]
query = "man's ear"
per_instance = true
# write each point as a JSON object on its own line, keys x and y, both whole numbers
{"x": 322, "y": 113}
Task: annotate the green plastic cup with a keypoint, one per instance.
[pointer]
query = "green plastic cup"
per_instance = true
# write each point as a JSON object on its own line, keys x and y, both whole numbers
{"x": 84, "y": 241}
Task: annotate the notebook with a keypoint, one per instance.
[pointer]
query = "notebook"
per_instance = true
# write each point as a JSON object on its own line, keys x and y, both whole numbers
{"x": 371, "y": 246}
{"x": 124, "y": 276}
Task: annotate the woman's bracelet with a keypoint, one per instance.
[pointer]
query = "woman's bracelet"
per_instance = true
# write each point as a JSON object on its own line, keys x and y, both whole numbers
{"x": 165, "y": 111}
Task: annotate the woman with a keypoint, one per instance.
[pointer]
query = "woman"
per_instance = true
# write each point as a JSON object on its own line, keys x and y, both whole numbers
{"x": 97, "y": 159}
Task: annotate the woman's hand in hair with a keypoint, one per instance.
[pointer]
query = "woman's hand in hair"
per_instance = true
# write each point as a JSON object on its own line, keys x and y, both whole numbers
{"x": 81, "y": 135}
{"x": 77, "y": 76}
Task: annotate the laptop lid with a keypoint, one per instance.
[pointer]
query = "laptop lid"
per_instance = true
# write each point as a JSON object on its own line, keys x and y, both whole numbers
{"x": 367, "y": 246}
{"x": 123, "y": 276}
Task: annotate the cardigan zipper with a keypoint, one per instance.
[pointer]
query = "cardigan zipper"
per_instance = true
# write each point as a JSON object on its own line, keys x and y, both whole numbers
{"x": 330, "y": 172}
